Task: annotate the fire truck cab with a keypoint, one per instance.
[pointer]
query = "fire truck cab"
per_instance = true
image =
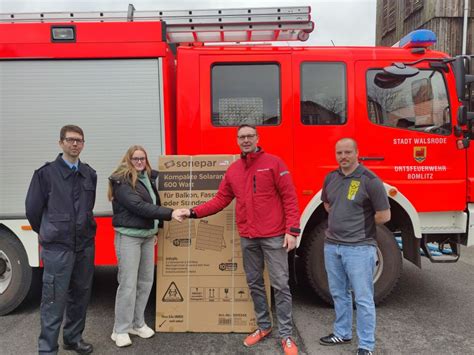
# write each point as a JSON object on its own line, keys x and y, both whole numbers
{"x": 125, "y": 81}
{"x": 304, "y": 99}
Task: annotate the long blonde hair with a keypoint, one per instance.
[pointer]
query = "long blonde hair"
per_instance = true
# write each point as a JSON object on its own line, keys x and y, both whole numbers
{"x": 126, "y": 172}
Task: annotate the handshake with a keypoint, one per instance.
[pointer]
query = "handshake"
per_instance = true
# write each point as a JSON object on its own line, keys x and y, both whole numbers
{"x": 181, "y": 214}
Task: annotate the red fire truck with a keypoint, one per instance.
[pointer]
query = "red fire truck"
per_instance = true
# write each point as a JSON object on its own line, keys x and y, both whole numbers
{"x": 150, "y": 77}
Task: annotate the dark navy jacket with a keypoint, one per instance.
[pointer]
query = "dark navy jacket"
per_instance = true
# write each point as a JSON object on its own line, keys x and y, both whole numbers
{"x": 59, "y": 205}
{"x": 134, "y": 208}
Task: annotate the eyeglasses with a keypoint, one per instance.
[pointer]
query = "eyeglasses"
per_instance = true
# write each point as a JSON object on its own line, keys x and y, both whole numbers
{"x": 247, "y": 136}
{"x": 138, "y": 159}
{"x": 71, "y": 140}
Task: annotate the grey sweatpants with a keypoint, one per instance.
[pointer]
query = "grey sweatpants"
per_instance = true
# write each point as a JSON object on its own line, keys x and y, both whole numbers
{"x": 255, "y": 251}
{"x": 135, "y": 276}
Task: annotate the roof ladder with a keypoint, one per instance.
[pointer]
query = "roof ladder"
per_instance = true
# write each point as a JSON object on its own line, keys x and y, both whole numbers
{"x": 214, "y": 25}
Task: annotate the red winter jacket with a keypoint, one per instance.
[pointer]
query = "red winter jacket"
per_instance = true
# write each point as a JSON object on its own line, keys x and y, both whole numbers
{"x": 266, "y": 198}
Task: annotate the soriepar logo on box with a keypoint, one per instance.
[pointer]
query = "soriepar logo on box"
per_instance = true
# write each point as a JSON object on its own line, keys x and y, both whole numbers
{"x": 201, "y": 164}
{"x": 196, "y": 163}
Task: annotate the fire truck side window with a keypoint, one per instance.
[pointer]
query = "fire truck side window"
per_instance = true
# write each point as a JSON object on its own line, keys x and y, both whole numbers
{"x": 323, "y": 94}
{"x": 246, "y": 93}
{"x": 418, "y": 103}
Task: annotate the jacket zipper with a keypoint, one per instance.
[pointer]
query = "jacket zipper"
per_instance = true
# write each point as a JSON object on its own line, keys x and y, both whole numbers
{"x": 74, "y": 217}
{"x": 255, "y": 184}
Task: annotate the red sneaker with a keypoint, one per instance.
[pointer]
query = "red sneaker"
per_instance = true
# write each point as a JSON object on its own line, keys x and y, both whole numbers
{"x": 289, "y": 346}
{"x": 256, "y": 336}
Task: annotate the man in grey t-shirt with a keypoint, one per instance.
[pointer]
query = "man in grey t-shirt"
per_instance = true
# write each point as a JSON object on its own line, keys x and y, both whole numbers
{"x": 356, "y": 201}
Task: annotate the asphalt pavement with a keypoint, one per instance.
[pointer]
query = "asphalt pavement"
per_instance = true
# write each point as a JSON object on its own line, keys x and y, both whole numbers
{"x": 430, "y": 312}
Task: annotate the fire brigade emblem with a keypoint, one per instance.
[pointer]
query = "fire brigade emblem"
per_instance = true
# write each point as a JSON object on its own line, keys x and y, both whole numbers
{"x": 419, "y": 153}
{"x": 353, "y": 188}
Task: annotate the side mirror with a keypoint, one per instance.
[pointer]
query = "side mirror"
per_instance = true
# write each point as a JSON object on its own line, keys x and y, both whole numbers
{"x": 459, "y": 73}
{"x": 440, "y": 66}
{"x": 462, "y": 79}
{"x": 464, "y": 116}
{"x": 457, "y": 131}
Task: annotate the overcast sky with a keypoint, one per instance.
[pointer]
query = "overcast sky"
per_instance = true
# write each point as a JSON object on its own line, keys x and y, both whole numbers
{"x": 344, "y": 22}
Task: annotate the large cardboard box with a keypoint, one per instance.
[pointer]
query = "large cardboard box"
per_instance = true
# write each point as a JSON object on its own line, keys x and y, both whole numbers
{"x": 201, "y": 285}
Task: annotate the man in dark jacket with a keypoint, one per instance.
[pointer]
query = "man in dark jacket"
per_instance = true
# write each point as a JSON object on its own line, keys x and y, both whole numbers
{"x": 59, "y": 208}
{"x": 267, "y": 218}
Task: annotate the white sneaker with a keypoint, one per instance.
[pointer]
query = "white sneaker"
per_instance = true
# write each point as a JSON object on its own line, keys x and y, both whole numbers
{"x": 143, "y": 332}
{"x": 121, "y": 340}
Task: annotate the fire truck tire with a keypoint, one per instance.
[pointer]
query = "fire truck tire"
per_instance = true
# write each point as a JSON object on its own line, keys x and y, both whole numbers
{"x": 389, "y": 264}
{"x": 15, "y": 273}
{"x": 387, "y": 273}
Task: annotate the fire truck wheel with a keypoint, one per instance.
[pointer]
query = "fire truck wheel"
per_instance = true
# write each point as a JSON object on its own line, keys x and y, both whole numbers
{"x": 388, "y": 268}
{"x": 15, "y": 273}
{"x": 389, "y": 264}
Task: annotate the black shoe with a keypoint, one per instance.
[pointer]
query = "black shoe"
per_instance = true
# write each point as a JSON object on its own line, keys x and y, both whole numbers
{"x": 361, "y": 351}
{"x": 81, "y": 347}
{"x": 331, "y": 339}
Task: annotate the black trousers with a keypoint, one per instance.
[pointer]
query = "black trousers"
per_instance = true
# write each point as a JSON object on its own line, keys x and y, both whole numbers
{"x": 67, "y": 283}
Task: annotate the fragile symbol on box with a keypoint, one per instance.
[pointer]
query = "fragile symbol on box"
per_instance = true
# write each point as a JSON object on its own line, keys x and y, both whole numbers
{"x": 172, "y": 294}
{"x": 226, "y": 294}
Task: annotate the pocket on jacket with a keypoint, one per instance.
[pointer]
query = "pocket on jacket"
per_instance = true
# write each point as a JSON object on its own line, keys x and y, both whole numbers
{"x": 268, "y": 215}
{"x": 48, "y": 289}
{"x": 263, "y": 182}
{"x": 60, "y": 222}
{"x": 89, "y": 187}
{"x": 54, "y": 227}
{"x": 58, "y": 226}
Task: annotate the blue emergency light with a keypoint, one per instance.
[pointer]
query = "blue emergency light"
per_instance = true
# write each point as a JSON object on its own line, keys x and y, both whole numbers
{"x": 418, "y": 39}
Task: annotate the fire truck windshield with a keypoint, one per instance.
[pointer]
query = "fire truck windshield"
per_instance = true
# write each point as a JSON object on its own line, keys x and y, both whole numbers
{"x": 415, "y": 103}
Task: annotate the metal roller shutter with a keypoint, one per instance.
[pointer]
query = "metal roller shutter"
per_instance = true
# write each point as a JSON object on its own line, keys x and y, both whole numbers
{"x": 116, "y": 102}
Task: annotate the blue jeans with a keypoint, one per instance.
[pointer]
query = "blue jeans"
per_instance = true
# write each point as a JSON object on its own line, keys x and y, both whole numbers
{"x": 352, "y": 267}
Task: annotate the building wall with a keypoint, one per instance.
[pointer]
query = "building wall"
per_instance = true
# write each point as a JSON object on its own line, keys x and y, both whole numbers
{"x": 443, "y": 17}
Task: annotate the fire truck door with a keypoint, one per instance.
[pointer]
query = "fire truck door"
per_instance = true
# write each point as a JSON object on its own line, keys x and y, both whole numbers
{"x": 321, "y": 118}
{"x": 405, "y": 134}
{"x": 251, "y": 89}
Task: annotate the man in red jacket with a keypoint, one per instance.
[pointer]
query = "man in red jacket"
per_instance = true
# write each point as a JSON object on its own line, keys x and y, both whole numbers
{"x": 267, "y": 218}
